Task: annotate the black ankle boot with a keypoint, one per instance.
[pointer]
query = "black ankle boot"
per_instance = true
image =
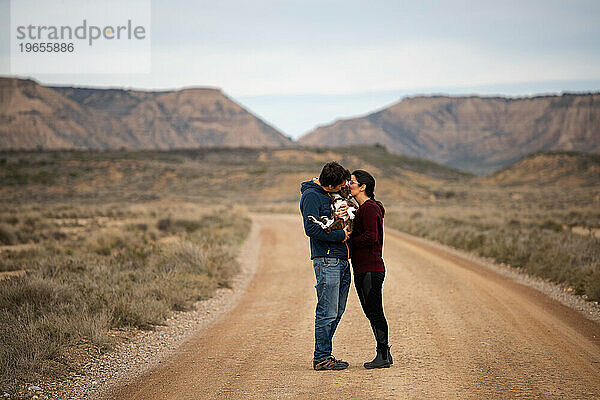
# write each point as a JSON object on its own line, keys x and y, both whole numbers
{"x": 382, "y": 360}
{"x": 390, "y": 355}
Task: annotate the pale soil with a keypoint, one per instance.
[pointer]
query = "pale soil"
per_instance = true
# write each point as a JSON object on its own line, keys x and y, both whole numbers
{"x": 458, "y": 330}
{"x": 580, "y": 230}
{"x": 18, "y": 247}
{"x": 11, "y": 274}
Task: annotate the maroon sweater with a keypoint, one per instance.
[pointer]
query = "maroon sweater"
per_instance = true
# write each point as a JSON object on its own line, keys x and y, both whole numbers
{"x": 367, "y": 238}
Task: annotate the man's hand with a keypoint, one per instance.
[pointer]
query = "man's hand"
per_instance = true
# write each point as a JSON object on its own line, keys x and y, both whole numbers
{"x": 342, "y": 212}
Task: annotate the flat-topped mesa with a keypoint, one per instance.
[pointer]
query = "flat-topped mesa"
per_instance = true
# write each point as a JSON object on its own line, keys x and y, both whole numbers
{"x": 478, "y": 134}
{"x": 37, "y": 116}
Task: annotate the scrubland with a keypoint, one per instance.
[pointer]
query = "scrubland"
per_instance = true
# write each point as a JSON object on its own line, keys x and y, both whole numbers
{"x": 550, "y": 232}
{"x": 96, "y": 274}
{"x": 95, "y": 246}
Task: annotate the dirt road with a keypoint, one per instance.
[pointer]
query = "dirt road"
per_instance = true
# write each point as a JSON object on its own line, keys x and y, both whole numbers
{"x": 458, "y": 330}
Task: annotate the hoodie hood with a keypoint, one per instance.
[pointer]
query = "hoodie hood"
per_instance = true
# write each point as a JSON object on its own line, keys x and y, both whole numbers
{"x": 311, "y": 185}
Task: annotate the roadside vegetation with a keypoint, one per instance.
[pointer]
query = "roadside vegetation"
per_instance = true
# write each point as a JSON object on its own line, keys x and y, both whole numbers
{"x": 561, "y": 245}
{"x": 95, "y": 273}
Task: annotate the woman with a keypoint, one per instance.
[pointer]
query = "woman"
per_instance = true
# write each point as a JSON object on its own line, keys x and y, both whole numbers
{"x": 369, "y": 270}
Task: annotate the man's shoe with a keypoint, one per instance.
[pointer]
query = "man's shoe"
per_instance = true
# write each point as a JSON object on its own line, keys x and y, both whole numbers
{"x": 330, "y": 363}
{"x": 340, "y": 361}
{"x": 382, "y": 360}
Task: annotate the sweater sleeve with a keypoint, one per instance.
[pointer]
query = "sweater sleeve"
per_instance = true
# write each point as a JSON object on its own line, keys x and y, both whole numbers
{"x": 368, "y": 218}
{"x": 310, "y": 206}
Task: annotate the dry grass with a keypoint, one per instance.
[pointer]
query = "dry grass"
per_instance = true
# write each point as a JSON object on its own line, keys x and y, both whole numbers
{"x": 509, "y": 229}
{"x": 97, "y": 268}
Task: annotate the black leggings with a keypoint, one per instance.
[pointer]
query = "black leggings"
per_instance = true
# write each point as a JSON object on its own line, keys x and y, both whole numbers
{"x": 368, "y": 286}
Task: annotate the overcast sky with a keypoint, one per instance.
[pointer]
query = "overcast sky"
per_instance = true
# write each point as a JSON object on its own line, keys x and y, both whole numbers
{"x": 302, "y": 63}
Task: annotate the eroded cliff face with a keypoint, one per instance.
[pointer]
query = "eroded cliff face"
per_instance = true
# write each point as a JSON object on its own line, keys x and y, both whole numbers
{"x": 473, "y": 133}
{"x": 35, "y": 116}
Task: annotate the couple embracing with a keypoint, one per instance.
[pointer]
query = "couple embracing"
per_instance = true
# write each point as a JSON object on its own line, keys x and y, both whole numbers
{"x": 331, "y": 253}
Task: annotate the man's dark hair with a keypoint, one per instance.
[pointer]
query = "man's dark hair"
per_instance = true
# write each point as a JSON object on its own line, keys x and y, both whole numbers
{"x": 333, "y": 174}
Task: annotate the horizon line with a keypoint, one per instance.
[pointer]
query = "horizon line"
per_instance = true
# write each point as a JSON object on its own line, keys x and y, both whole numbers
{"x": 479, "y": 90}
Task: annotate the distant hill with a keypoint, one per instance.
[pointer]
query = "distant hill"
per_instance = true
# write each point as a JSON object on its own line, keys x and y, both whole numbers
{"x": 249, "y": 176}
{"x": 477, "y": 134}
{"x": 565, "y": 169}
{"x": 36, "y": 116}
{"x": 390, "y": 164}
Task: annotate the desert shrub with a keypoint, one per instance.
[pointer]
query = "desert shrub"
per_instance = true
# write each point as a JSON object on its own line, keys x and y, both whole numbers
{"x": 138, "y": 226}
{"x": 223, "y": 228}
{"x": 592, "y": 283}
{"x": 188, "y": 225}
{"x": 218, "y": 228}
{"x": 105, "y": 241}
{"x": 57, "y": 235}
{"x": 551, "y": 225}
{"x": 514, "y": 223}
{"x": 164, "y": 224}
{"x": 12, "y": 220}
{"x": 7, "y": 235}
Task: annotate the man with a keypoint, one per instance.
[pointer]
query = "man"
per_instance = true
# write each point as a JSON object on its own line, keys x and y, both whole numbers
{"x": 329, "y": 254}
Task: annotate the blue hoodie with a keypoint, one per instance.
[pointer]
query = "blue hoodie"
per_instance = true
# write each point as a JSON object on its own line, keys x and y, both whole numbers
{"x": 316, "y": 201}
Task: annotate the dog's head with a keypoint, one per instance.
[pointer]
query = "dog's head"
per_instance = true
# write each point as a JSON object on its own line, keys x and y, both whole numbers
{"x": 345, "y": 192}
{"x": 338, "y": 202}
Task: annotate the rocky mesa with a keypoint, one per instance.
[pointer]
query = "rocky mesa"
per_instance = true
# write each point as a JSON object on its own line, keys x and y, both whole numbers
{"x": 34, "y": 116}
{"x": 476, "y": 134}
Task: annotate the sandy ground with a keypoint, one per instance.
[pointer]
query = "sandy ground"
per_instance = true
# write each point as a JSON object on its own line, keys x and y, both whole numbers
{"x": 458, "y": 330}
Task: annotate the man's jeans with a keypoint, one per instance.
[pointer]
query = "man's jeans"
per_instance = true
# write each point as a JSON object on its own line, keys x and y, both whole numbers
{"x": 333, "y": 282}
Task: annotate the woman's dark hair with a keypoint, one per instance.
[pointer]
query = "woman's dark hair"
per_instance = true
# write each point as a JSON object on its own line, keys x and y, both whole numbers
{"x": 365, "y": 178}
{"x": 333, "y": 174}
